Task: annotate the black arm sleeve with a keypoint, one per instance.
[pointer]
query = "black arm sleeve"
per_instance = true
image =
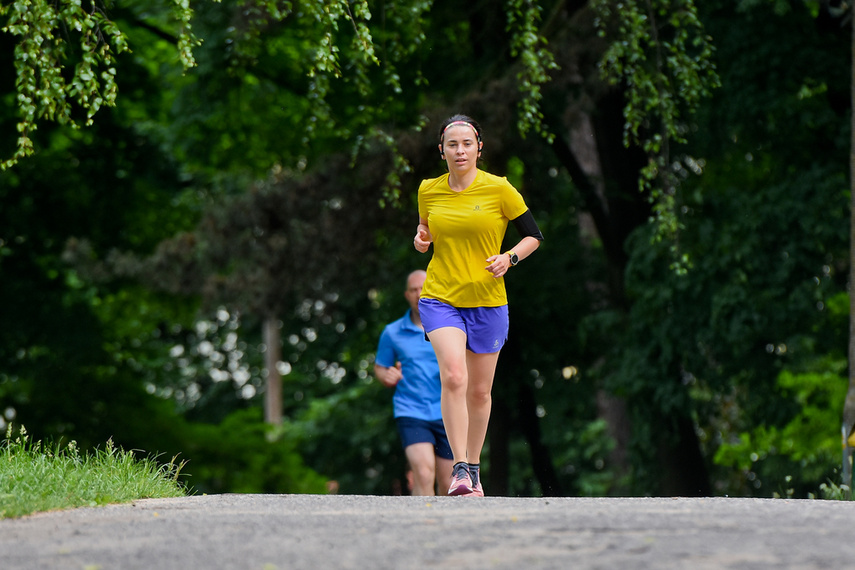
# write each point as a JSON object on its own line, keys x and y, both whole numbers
{"x": 527, "y": 227}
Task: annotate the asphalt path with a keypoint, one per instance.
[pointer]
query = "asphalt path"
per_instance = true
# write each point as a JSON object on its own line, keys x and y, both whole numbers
{"x": 269, "y": 532}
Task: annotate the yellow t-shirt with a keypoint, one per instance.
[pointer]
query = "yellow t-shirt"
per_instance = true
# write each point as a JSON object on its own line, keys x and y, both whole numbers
{"x": 467, "y": 228}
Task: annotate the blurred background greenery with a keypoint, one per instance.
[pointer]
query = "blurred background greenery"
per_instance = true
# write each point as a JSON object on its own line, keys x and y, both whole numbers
{"x": 248, "y": 221}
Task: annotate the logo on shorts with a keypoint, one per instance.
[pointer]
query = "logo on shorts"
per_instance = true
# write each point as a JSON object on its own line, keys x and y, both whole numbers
{"x": 496, "y": 343}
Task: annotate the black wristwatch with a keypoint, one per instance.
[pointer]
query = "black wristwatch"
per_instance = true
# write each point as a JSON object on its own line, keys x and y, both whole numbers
{"x": 514, "y": 258}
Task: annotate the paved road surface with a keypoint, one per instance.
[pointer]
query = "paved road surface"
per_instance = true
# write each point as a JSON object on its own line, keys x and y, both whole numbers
{"x": 270, "y": 532}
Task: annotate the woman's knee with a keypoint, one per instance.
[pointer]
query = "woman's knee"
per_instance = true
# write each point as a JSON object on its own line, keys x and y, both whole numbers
{"x": 455, "y": 377}
{"x": 478, "y": 396}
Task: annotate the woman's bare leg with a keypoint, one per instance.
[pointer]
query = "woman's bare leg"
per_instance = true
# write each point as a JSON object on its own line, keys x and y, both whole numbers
{"x": 449, "y": 344}
{"x": 479, "y": 400}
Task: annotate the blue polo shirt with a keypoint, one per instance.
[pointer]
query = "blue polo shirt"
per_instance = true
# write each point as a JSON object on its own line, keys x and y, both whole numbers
{"x": 417, "y": 394}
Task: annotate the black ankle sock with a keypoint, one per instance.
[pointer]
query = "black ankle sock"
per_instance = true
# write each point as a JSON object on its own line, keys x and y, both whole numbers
{"x": 475, "y": 472}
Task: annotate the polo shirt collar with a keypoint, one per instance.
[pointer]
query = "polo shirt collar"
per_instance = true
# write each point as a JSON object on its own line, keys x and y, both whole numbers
{"x": 408, "y": 322}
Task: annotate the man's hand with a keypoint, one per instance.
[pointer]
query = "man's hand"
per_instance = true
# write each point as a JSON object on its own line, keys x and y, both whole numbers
{"x": 389, "y": 376}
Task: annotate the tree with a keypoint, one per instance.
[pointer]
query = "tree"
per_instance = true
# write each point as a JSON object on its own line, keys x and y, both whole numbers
{"x": 54, "y": 35}
{"x": 768, "y": 219}
{"x": 224, "y": 122}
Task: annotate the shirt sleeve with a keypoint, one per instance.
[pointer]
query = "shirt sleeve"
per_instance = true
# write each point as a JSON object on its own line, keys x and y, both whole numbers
{"x": 423, "y": 212}
{"x": 513, "y": 204}
{"x": 385, "y": 350}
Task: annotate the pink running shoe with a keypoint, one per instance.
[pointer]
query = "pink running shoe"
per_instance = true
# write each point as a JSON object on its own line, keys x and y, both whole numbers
{"x": 477, "y": 490}
{"x": 461, "y": 482}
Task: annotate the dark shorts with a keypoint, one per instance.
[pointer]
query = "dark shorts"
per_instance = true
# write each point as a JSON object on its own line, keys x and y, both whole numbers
{"x": 486, "y": 328}
{"x": 413, "y": 430}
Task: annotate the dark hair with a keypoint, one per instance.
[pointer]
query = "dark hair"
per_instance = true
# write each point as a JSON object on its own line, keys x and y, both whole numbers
{"x": 459, "y": 119}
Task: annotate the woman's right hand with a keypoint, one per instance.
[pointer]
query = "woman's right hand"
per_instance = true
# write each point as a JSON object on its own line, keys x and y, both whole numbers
{"x": 423, "y": 239}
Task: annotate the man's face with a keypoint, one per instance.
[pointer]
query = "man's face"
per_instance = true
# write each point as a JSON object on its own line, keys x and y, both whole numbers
{"x": 414, "y": 289}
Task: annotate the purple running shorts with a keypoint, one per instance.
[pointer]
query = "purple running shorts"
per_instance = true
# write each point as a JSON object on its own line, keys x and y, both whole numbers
{"x": 486, "y": 328}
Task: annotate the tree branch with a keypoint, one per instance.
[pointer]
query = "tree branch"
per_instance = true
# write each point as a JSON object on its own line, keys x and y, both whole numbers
{"x": 586, "y": 188}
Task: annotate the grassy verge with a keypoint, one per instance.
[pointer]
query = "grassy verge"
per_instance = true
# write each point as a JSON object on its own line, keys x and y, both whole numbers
{"x": 35, "y": 477}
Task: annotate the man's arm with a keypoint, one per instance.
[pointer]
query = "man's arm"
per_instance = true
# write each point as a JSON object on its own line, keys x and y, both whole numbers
{"x": 389, "y": 376}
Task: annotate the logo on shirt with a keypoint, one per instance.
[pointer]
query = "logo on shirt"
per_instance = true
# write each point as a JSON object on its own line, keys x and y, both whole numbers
{"x": 477, "y": 208}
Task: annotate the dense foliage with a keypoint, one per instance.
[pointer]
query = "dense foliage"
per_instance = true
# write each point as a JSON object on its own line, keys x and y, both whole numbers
{"x": 268, "y": 176}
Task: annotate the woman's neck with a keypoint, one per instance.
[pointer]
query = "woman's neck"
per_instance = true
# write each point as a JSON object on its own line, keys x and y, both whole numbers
{"x": 461, "y": 181}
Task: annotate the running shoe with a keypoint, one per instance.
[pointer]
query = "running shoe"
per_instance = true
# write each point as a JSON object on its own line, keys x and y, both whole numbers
{"x": 477, "y": 490}
{"x": 461, "y": 482}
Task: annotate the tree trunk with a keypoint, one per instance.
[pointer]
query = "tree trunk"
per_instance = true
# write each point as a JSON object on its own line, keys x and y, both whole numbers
{"x": 541, "y": 458}
{"x": 605, "y": 172}
{"x": 684, "y": 473}
{"x": 613, "y": 410}
{"x": 617, "y": 209}
{"x": 273, "y": 391}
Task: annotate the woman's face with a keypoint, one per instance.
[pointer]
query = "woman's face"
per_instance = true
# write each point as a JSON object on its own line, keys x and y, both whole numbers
{"x": 461, "y": 148}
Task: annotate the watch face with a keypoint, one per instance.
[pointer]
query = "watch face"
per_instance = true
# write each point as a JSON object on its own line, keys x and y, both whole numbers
{"x": 514, "y": 259}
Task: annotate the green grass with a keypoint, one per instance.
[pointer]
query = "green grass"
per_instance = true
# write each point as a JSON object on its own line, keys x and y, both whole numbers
{"x": 35, "y": 477}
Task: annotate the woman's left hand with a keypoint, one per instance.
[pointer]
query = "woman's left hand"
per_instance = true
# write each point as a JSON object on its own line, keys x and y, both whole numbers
{"x": 499, "y": 264}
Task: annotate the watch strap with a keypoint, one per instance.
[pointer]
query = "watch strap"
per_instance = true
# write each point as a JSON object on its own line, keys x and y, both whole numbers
{"x": 514, "y": 257}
